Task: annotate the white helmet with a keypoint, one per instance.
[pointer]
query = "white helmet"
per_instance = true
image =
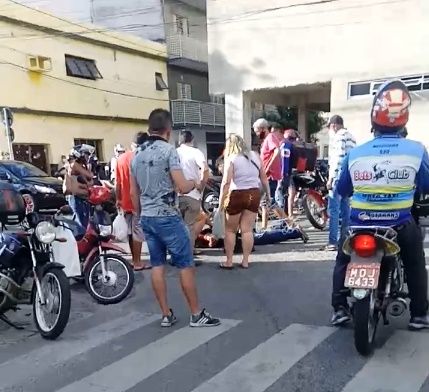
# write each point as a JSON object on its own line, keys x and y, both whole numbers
{"x": 119, "y": 148}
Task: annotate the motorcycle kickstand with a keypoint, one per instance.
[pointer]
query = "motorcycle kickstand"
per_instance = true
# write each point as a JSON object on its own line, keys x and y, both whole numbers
{"x": 6, "y": 320}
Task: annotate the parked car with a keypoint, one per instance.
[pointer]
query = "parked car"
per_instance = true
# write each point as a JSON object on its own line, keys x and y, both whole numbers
{"x": 40, "y": 191}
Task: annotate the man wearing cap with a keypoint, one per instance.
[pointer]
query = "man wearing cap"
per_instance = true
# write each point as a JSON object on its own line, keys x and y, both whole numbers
{"x": 341, "y": 142}
{"x": 195, "y": 168}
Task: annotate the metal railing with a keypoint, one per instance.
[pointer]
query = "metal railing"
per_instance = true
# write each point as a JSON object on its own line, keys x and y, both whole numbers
{"x": 182, "y": 46}
{"x": 197, "y": 113}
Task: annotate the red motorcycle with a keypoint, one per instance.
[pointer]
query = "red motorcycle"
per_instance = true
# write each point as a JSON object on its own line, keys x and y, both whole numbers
{"x": 313, "y": 190}
{"x": 108, "y": 277}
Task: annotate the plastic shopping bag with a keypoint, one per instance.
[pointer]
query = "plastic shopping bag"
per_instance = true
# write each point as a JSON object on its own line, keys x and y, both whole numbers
{"x": 218, "y": 229}
{"x": 120, "y": 227}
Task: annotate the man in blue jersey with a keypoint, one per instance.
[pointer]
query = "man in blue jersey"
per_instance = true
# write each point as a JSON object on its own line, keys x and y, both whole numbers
{"x": 286, "y": 148}
{"x": 383, "y": 177}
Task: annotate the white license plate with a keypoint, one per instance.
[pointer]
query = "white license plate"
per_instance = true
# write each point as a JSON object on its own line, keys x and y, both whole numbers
{"x": 362, "y": 275}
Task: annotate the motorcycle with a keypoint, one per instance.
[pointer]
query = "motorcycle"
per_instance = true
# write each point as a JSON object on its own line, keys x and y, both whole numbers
{"x": 211, "y": 194}
{"x": 29, "y": 273}
{"x": 313, "y": 191}
{"x": 376, "y": 280}
{"x": 108, "y": 277}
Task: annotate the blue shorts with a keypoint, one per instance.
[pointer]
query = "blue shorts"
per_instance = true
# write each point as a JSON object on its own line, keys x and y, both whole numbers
{"x": 168, "y": 233}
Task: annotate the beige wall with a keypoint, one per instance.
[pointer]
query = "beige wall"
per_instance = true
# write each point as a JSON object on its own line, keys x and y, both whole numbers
{"x": 59, "y": 133}
{"x": 341, "y": 42}
{"x": 53, "y": 108}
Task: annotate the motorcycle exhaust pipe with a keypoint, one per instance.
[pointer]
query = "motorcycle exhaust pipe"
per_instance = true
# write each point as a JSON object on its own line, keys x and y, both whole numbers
{"x": 397, "y": 307}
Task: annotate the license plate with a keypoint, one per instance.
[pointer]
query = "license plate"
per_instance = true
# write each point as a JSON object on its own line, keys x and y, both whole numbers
{"x": 362, "y": 276}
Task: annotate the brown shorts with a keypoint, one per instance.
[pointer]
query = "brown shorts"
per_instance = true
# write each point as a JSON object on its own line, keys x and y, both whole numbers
{"x": 241, "y": 200}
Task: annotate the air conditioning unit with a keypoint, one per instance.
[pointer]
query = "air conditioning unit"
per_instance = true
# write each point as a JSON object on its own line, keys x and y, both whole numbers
{"x": 39, "y": 63}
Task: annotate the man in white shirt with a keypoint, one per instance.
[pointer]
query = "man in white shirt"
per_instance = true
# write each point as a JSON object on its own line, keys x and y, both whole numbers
{"x": 340, "y": 143}
{"x": 195, "y": 168}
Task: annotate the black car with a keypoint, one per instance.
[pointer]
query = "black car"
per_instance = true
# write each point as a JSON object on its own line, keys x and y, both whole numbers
{"x": 40, "y": 191}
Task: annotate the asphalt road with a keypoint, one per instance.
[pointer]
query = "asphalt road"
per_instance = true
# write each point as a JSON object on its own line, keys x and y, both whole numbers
{"x": 275, "y": 337}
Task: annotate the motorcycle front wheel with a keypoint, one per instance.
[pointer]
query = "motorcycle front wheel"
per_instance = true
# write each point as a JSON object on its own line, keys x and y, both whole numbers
{"x": 115, "y": 285}
{"x": 315, "y": 213}
{"x": 52, "y": 317}
{"x": 366, "y": 317}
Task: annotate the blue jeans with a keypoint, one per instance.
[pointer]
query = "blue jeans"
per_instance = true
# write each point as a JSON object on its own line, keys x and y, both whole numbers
{"x": 81, "y": 208}
{"x": 277, "y": 196}
{"x": 338, "y": 207}
{"x": 168, "y": 233}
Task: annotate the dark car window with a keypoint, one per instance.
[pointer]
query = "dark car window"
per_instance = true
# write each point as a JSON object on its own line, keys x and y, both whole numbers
{"x": 23, "y": 169}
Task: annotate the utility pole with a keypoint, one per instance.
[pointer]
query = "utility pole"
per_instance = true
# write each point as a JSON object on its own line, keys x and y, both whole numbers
{"x": 10, "y": 135}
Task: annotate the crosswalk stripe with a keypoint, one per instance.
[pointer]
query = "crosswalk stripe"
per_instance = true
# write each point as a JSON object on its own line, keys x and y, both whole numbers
{"x": 400, "y": 366}
{"x": 264, "y": 365}
{"x": 136, "y": 367}
{"x": 51, "y": 354}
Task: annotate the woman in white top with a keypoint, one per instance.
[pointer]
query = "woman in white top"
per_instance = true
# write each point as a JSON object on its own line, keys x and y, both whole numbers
{"x": 240, "y": 196}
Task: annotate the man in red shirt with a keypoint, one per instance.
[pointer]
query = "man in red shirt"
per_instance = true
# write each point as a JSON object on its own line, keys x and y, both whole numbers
{"x": 123, "y": 201}
{"x": 272, "y": 161}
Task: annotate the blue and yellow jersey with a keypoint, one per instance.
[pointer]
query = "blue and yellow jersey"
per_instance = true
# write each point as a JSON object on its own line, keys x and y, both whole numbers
{"x": 383, "y": 176}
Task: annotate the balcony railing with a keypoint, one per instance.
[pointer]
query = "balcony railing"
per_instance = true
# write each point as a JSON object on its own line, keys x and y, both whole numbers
{"x": 187, "y": 112}
{"x": 182, "y": 46}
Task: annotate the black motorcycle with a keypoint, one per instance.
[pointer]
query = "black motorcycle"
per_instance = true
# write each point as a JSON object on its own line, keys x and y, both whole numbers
{"x": 28, "y": 272}
{"x": 376, "y": 278}
{"x": 211, "y": 195}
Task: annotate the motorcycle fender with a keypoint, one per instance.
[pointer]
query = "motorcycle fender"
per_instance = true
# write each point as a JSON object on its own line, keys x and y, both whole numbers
{"x": 105, "y": 246}
{"x": 48, "y": 266}
{"x": 111, "y": 246}
{"x": 316, "y": 195}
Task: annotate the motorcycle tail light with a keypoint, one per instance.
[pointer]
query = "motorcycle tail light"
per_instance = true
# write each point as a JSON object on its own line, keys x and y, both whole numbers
{"x": 365, "y": 245}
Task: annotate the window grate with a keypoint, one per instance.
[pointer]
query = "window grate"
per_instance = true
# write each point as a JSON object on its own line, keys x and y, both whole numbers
{"x": 368, "y": 88}
{"x": 82, "y": 68}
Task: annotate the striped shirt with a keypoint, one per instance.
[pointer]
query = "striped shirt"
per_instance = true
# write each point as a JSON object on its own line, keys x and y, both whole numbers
{"x": 339, "y": 146}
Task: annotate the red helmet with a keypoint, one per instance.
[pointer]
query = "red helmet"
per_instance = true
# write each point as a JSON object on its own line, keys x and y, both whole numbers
{"x": 98, "y": 195}
{"x": 391, "y": 107}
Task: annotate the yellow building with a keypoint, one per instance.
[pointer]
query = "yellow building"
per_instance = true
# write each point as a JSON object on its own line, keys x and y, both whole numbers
{"x": 68, "y": 83}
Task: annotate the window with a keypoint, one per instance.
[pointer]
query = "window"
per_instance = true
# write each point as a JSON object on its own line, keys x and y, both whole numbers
{"x": 82, "y": 68}
{"x": 184, "y": 91}
{"x": 414, "y": 83}
{"x": 220, "y": 99}
{"x": 160, "y": 83}
{"x": 181, "y": 25}
{"x": 92, "y": 142}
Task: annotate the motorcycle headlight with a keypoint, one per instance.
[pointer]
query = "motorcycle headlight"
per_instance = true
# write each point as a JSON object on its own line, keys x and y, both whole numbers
{"x": 105, "y": 231}
{"x": 44, "y": 189}
{"x": 45, "y": 232}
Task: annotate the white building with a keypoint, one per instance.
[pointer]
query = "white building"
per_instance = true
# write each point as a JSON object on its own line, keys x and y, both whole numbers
{"x": 318, "y": 55}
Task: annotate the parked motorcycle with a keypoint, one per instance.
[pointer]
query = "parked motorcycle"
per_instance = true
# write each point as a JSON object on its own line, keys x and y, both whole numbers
{"x": 211, "y": 195}
{"x": 28, "y": 272}
{"x": 109, "y": 278}
{"x": 312, "y": 188}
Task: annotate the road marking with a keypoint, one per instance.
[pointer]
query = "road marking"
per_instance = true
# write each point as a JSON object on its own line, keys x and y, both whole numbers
{"x": 52, "y": 354}
{"x": 134, "y": 368}
{"x": 401, "y": 365}
{"x": 263, "y": 366}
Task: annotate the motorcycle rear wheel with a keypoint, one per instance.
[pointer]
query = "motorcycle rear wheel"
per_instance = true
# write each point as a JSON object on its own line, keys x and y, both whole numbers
{"x": 56, "y": 289}
{"x": 317, "y": 219}
{"x": 97, "y": 288}
{"x": 366, "y": 318}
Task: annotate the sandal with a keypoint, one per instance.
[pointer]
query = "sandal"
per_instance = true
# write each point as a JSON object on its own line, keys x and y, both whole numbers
{"x": 226, "y": 267}
{"x": 244, "y": 266}
{"x": 142, "y": 267}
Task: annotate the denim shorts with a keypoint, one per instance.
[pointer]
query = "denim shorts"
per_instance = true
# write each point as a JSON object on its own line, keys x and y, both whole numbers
{"x": 168, "y": 233}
